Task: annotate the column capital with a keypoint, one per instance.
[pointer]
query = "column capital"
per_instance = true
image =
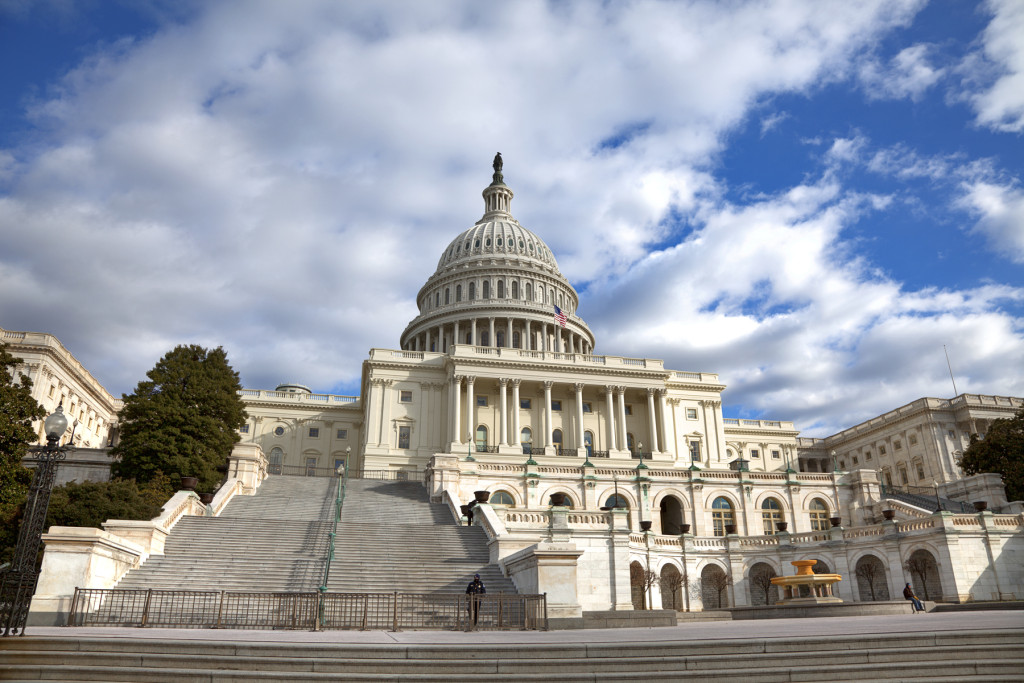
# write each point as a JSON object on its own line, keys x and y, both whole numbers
{"x": 470, "y": 379}
{"x": 457, "y": 379}
{"x": 503, "y": 381}
{"x": 610, "y": 388}
{"x": 578, "y": 386}
{"x": 516, "y": 381}
{"x": 621, "y": 391}
{"x": 548, "y": 384}
{"x": 650, "y": 391}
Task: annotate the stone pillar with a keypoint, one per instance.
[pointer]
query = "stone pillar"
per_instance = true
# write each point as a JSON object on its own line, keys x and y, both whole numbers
{"x": 508, "y": 334}
{"x": 456, "y": 390}
{"x": 528, "y": 343}
{"x": 516, "y": 437}
{"x": 470, "y": 409}
{"x": 610, "y": 400}
{"x": 503, "y": 406}
{"x": 455, "y": 333}
{"x": 580, "y": 445}
{"x": 491, "y": 341}
{"x": 621, "y": 593}
{"x": 652, "y": 421}
{"x": 623, "y": 441}
{"x": 547, "y": 419}
{"x": 662, "y": 431}
{"x": 426, "y": 345}
{"x": 472, "y": 332}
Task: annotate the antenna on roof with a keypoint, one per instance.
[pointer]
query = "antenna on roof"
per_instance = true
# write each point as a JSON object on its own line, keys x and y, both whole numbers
{"x": 955, "y": 392}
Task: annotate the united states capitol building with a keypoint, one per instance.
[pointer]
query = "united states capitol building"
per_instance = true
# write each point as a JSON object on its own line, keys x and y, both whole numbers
{"x": 600, "y": 470}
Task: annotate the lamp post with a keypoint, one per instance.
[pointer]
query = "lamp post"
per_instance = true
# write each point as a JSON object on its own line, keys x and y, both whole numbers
{"x": 18, "y": 582}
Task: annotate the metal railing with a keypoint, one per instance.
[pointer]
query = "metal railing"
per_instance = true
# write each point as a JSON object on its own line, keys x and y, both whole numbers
{"x": 313, "y": 611}
{"x": 480, "y": 448}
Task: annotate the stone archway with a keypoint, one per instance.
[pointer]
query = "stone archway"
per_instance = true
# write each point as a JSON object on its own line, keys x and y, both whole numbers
{"x": 924, "y": 575}
{"x": 762, "y": 590}
{"x": 671, "y": 588}
{"x": 671, "y": 516}
{"x": 869, "y": 573}
{"x": 714, "y": 587}
{"x": 636, "y": 585}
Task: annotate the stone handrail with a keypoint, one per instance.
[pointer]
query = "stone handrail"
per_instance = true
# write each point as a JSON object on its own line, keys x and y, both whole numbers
{"x": 1007, "y": 520}
{"x": 485, "y": 517}
{"x": 759, "y": 540}
{"x": 905, "y": 508}
{"x": 716, "y": 542}
{"x": 809, "y": 537}
{"x": 915, "y": 524}
{"x": 588, "y": 518}
{"x": 527, "y": 519}
{"x": 966, "y": 520}
{"x": 638, "y": 539}
{"x": 229, "y": 490}
{"x": 864, "y": 531}
{"x": 453, "y": 505}
{"x": 180, "y": 504}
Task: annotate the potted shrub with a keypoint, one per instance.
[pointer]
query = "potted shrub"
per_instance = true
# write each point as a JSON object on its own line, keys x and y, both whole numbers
{"x": 558, "y": 499}
{"x": 835, "y": 521}
{"x": 645, "y": 525}
{"x": 465, "y": 510}
{"x": 889, "y": 514}
{"x": 980, "y": 505}
{"x": 481, "y": 496}
{"x": 730, "y": 529}
{"x": 684, "y": 528}
{"x": 189, "y": 483}
{"x": 205, "y": 498}
{"x": 781, "y": 526}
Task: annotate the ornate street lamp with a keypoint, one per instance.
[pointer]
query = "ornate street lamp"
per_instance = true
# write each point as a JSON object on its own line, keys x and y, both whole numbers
{"x": 18, "y": 582}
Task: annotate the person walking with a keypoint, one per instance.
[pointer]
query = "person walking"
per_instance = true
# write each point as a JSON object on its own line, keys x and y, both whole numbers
{"x": 908, "y": 593}
{"x": 474, "y": 590}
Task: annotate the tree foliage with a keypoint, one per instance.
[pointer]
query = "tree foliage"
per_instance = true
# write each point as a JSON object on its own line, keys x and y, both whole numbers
{"x": 1001, "y": 451}
{"x": 183, "y": 420}
{"x": 91, "y": 503}
{"x": 17, "y": 411}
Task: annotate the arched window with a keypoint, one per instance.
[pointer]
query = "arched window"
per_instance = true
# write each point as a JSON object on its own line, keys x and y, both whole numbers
{"x": 276, "y": 460}
{"x": 819, "y": 515}
{"x": 485, "y": 339}
{"x": 616, "y": 500}
{"x": 437, "y": 299}
{"x": 481, "y": 439}
{"x": 469, "y": 337}
{"x": 487, "y": 289}
{"x": 721, "y": 515}
{"x": 458, "y": 293}
{"x": 447, "y": 296}
{"x": 771, "y": 514}
{"x": 529, "y": 292}
{"x": 556, "y": 439}
{"x": 515, "y": 289}
{"x": 502, "y": 498}
{"x": 501, "y": 289}
{"x": 472, "y": 291}
{"x": 516, "y": 340}
{"x": 526, "y": 439}
{"x": 588, "y": 443}
{"x": 500, "y": 336}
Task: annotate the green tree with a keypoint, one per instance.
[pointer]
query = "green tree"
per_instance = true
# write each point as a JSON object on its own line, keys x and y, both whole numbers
{"x": 91, "y": 503}
{"x": 17, "y": 412}
{"x": 183, "y": 420}
{"x": 1001, "y": 451}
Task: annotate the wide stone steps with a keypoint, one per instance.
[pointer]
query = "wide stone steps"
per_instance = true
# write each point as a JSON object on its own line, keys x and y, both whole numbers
{"x": 969, "y": 655}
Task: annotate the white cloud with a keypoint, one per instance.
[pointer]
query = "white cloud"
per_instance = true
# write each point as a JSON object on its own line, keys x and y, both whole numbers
{"x": 907, "y": 75}
{"x": 1000, "y": 212}
{"x": 995, "y": 75}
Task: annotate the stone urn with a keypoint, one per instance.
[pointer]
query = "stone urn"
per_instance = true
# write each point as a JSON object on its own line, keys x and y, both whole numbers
{"x": 189, "y": 483}
{"x": 684, "y": 528}
{"x": 205, "y": 498}
{"x": 558, "y": 499}
{"x": 889, "y": 514}
{"x": 645, "y": 525}
{"x": 465, "y": 510}
{"x": 980, "y": 505}
{"x": 482, "y": 496}
{"x": 781, "y": 526}
{"x": 835, "y": 521}
{"x": 730, "y": 529}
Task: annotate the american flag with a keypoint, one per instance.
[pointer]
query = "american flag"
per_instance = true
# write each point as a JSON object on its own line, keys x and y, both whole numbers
{"x": 559, "y": 316}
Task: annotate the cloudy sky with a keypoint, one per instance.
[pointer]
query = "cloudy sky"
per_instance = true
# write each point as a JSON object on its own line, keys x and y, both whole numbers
{"x": 810, "y": 198}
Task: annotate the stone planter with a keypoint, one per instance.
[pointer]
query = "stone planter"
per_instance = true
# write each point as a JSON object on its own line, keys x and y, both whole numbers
{"x": 684, "y": 528}
{"x": 205, "y": 498}
{"x": 558, "y": 499}
{"x": 645, "y": 525}
{"x": 835, "y": 521}
{"x": 781, "y": 526}
{"x": 481, "y": 496}
{"x": 889, "y": 514}
{"x": 730, "y": 529}
{"x": 189, "y": 483}
{"x": 465, "y": 510}
{"x": 980, "y": 505}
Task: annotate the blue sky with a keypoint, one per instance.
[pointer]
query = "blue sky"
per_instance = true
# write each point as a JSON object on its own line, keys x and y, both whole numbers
{"x": 809, "y": 198}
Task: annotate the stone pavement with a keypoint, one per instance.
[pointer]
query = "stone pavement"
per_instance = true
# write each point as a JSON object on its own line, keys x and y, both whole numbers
{"x": 717, "y": 630}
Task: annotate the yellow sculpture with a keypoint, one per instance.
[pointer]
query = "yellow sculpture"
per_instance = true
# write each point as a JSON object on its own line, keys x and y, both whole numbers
{"x": 806, "y": 587}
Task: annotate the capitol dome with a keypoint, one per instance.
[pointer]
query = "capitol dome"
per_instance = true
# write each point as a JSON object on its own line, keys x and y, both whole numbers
{"x": 497, "y": 285}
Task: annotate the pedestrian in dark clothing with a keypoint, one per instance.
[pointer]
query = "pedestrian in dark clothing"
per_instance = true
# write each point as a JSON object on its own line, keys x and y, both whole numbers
{"x": 474, "y": 590}
{"x": 469, "y": 513}
{"x": 908, "y": 593}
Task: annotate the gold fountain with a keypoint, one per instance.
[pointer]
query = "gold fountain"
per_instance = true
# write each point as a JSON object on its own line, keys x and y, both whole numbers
{"x": 806, "y": 587}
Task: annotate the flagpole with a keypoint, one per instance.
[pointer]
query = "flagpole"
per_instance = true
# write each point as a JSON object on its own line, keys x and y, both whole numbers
{"x": 955, "y": 392}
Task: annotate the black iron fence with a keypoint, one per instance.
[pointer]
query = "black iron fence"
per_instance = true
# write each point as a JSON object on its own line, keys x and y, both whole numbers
{"x": 307, "y": 611}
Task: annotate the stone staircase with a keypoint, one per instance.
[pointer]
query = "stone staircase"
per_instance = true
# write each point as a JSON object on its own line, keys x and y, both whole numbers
{"x": 962, "y": 655}
{"x": 391, "y": 538}
{"x": 274, "y": 541}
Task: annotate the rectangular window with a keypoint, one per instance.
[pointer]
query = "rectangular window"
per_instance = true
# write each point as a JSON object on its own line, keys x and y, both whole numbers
{"x": 405, "y": 396}
{"x": 776, "y": 455}
{"x": 524, "y": 403}
{"x": 245, "y": 428}
{"x": 842, "y": 465}
{"x": 952, "y": 435}
{"x": 403, "y": 436}
{"x": 556, "y": 405}
{"x": 867, "y": 455}
{"x": 339, "y": 464}
{"x": 342, "y": 433}
{"x": 881, "y": 450}
{"x": 897, "y": 445}
{"x": 53, "y": 389}
{"x": 695, "y": 450}
{"x": 913, "y": 439}
{"x": 481, "y": 401}
{"x": 588, "y": 408}
{"x": 754, "y": 453}
{"x": 314, "y": 432}
{"x": 920, "y": 471}
{"x": 691, "y": 413}
{"x": 856, "y": 461}
{"x": 629, "y": 409}
{"x": 903, "y": 475}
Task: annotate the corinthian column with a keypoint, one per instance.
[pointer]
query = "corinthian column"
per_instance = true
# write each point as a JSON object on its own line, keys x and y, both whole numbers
{"x": 470, "y": 409}
{"x": 456, "y": 389}
{"x": 610, "y": 399}
{"x": 579, "y": 415}
{"x": 547, "y": 415}
{"x": 516, "y": 439}
{"x": 503, "y": 404}
{"x": 623, "y": 441}
{"x": 652, "y": 420}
